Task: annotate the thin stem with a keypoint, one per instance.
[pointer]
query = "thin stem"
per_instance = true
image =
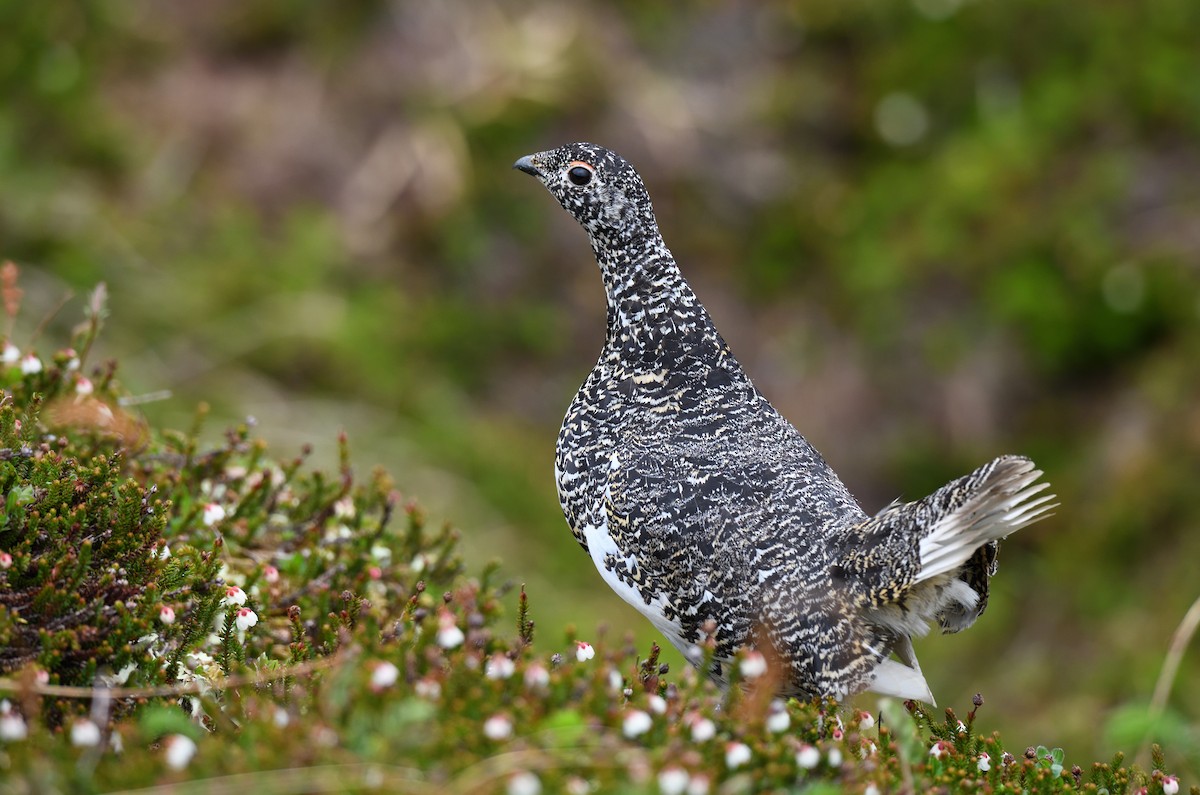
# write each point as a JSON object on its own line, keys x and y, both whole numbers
{"x": 66, "y": 691}
{"x": 1170, "y": 669}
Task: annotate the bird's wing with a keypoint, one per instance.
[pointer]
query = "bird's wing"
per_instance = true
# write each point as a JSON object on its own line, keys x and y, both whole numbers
{"x": 682, "y": 527}
{"x": 706, "y": 537}
{"x": 675, "y": 514}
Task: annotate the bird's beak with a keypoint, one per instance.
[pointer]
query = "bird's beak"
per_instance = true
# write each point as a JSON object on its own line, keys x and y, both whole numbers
{"x": 526, "y": 164}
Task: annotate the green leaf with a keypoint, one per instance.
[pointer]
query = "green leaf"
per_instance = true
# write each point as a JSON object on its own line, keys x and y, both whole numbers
{"x": 409, "y": 711}
{"x": 159, "y": 721}
{"x": 564, "y": 727}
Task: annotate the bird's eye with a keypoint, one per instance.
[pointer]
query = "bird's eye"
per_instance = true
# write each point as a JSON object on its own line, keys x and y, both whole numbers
{"x": 580, "y": 175}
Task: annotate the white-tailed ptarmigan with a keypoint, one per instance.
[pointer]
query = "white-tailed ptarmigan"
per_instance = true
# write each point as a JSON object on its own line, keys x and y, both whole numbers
{"x": 699, "y": 502}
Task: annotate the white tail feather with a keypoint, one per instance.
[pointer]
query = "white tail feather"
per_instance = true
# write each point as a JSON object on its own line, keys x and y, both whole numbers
{"x": 891, "y": 678}
{"x": 1004, "y": 504}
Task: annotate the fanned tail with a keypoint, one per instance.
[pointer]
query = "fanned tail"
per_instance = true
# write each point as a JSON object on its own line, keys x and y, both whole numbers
{"x": 992, "y": 502}
{"x": 925, "y": 561}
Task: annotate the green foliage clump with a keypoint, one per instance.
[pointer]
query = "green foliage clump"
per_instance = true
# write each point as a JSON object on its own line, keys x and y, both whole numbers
{"x": 177, "y": 612}
{"x": 80, "y": 539}
{"x": 82, "y": 542}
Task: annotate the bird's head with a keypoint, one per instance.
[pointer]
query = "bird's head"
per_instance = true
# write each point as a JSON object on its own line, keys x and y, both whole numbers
{"x": 598, "y": 187}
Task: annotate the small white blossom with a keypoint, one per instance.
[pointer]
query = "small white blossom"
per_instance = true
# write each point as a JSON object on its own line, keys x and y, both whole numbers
{"x": 85, "y": 734}
{"x": 673, "y": 781}
{"x": 961, "y": 728}
{"x": 698, "y": 785}
{"x": 12, "y": 727}
{"x": 536, "y": 676}
{"x": 344, "y": 508}
{"x": 213, "y": 513}
{"x": 584, "y": 651}
{"x": 865, "y": 720}
{"x": 72, "y": 359}
{"x": 778, "y": 722}
{"x": 270, "y": 575}
{"x": 84, "y": 386}
{"x": 245, "y": 618}
{"x": 5, "y": 560}
{"x": 11, "y": 354}
{"x": 166, "y": 614}
{"x": 736, "y": 755}
{"x": 498, "y": 727}
{"x": 834, "y": 757}
{"x": 753, "y": 665}
{"x": 338, "y": 532}
{"x": 636, "y": 723}
{"x": 808, "y": 757}
{"x": 778, "y": 719}
{"x": 234, "y": 597}
{"x": 179, "y": 751}
{"x": 524, "y": 783}
{"x": 871, "y": 789}
{"x": 615, "y": 680}
{"x": 703, "y": 730}
{"x": 939, "y": 749}
{"x": 449, "y": 635}
{"x": 384, "y": 675}
{"x": 281, "y": 718}
{"x": 499, "y": 666}
{"x": 164, "y": 551}
{"x": 428, "y": 688}
{"x": 658, "y": 704}
{"x": 31, "y": 364}
{"x": 578, "y": 786}
{"x": 1170, "y": 785}
{"x": 985, "y": 762}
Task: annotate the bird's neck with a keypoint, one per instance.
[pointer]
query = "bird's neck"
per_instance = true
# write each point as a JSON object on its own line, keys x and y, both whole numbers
{"x": 648, "y": 299}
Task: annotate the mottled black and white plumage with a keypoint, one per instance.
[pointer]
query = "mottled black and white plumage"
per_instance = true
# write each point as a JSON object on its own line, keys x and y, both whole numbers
{"x": 697, "y": 500}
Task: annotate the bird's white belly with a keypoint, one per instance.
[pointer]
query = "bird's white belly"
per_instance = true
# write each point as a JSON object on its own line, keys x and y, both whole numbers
{"x": 600, "y": 546}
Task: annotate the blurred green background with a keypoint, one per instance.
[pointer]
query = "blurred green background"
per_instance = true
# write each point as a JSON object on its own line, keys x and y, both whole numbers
{"x": 933, "y": 231}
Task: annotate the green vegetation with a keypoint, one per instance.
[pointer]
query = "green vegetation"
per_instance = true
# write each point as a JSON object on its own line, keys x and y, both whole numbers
{"x": 210, "y": 617}
{"x": 935, "y": 231}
